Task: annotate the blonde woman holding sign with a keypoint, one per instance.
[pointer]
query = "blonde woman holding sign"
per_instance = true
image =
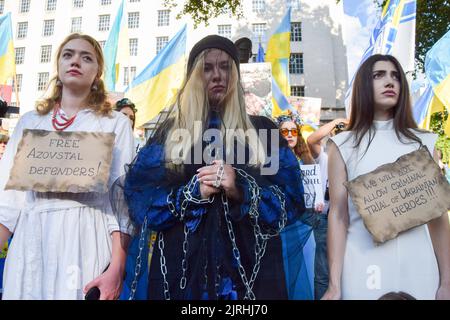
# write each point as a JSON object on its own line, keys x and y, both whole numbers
{"x": 381, "y": 129}
{"x": 64, "y": 241}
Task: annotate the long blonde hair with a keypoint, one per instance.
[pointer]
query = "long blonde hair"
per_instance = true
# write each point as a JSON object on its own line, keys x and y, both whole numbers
{"x": 96, "y": 100}
{"x": 192, "y": 105}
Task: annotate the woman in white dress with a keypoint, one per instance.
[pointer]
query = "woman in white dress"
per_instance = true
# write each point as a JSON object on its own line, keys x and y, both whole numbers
{"x": 63, "y": 242}
{"x": 381, "y": 129}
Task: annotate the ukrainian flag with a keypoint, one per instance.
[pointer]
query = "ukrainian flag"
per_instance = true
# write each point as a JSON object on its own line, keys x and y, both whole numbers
{"x": 7, "y": 56}
{"x": 154, "y": 88}
{"x": 394, "y": 34}
{"x": 116, "y": 50}
{"x": 437, "y": 95}
{"x": 278, "y": 54}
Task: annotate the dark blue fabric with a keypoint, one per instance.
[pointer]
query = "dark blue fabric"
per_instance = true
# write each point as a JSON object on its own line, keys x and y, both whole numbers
{"x": 146, "y": 197}
{"x": 147, "y": 186}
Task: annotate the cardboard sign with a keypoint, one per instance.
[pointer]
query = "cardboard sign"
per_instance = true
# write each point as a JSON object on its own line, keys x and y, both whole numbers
{"x": 48, "y": 161}
{"x": 308, "y": 108}
{"x": 401, "y": 195}
{"x": 256, "y": 79}
{"x": 312, "y": 184}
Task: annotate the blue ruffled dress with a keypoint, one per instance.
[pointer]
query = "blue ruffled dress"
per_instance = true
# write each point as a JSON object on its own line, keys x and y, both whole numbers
{"x": 211, "y": 269}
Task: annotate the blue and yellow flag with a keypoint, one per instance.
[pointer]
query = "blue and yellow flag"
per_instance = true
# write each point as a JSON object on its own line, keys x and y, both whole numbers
{"x": 158, "y": 83}
{"x": 7, "y": 56}
{"x": 278, "y": 54}
{"x": 394, "y": 34}
{"x": 437, "y": 95}
{"x": 116, "y": 50}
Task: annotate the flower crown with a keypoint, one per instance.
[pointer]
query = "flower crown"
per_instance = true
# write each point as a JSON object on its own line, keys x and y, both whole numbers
{"x": 291, "y": 116}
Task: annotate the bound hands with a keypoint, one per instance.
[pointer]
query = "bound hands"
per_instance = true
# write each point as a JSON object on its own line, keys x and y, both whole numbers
{"x": 218, "y": 176}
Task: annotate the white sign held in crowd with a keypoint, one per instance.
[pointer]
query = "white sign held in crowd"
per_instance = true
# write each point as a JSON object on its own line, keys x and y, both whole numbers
{"x": 312, "y": 185}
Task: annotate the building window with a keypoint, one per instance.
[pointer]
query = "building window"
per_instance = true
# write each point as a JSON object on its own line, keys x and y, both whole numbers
{"x": 76, "y": 24}
{"x": 126, "y": 76}
{"x": 133, "y": 73}
{"x": 24, "y": 6}
{"x": 294, "y": 4}
{"x": 298, "y": 91}
{"x": 78, "y": 3}
{"x": 22, "y": 29}
{"x": 133, "y": 47}
{"x": 224, "y": 30}
{"x": 105, "y": 2}
{"x": 133, "y": 20}
{"x": 296, "y": 31}
{"x": 163, "y": 17}
{"x": 259, "y": 32}
{"x": 161, "y": 43}
{"x": 135, "y": 0}
{"x": 42, "y": 80}
{"x": 49, "y": 27}
{"x": 51, "y": 5}
{"x": 19, "y": 82}
{"x": 20, "y": 55}
{"x": 103, "y": 22}
{"x": 296, "y": 63}
{"x": 46, "y": 54}
{"x": 258, "y": 5}
{"x": 2, "y": 6}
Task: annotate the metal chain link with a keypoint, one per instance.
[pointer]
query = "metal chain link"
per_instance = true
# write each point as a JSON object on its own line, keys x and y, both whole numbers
{"x": 260, "y": 237}
{"x": 183, "y": 279}
{"x": 137, "y": 269}
{"x": 162, "y": 263}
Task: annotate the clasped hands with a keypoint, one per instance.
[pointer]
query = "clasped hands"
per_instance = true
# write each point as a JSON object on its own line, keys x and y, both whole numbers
{"x": 218, "y": 176}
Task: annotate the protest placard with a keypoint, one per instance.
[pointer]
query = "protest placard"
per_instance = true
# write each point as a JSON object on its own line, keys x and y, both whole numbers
{"x": 312, "y": 184}
{"x": 401, "y": 195}
{"x": 48, "y": 161}
{"x": 256, "y": 79}
{"x": 308, "y": 108}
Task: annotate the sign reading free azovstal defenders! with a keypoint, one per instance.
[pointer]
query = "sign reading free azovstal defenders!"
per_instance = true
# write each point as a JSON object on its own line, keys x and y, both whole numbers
{"x": 48, "y": 161}
{"x": 401, "y": 195}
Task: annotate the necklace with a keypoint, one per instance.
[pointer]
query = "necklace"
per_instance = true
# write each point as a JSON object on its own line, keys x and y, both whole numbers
{"x": 64, "y": 122}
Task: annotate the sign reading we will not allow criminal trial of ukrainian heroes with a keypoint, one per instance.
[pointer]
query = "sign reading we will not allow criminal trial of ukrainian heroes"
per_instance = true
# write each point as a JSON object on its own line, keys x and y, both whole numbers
{"x": 401, "y": 195}
{"x": 48, "y": 161}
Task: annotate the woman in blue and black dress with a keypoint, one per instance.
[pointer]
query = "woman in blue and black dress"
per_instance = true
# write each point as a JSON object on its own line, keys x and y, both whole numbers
{"x": 216, "y": 187}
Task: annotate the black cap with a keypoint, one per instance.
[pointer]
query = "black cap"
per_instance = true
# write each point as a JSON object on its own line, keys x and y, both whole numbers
{"x": 213, "y": 42}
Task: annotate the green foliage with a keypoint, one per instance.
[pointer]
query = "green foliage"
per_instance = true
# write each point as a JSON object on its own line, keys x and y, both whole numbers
{"x": 437, "y": 123}
{"x": 432, "y": 23}
{"x": 203, "y": 10}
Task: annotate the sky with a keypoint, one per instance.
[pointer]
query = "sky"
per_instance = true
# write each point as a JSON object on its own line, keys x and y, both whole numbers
{"x": 361, "y": 17}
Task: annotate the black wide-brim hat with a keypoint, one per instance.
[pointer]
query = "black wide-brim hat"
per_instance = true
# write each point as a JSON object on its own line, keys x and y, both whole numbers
{"x": 213, "y": 42}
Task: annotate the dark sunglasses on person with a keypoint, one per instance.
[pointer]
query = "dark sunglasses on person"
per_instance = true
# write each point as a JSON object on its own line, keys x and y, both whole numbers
{"x": 285, "y": 132}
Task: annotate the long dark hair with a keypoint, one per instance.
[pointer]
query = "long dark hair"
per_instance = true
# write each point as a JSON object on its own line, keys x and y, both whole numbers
{"x": 362, "y": 104}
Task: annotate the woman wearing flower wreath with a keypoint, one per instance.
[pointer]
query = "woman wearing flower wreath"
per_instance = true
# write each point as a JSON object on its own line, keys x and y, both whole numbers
{"x": 64, "y": 241}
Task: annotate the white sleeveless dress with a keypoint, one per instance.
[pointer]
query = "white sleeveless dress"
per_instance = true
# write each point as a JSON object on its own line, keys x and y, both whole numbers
{"x": 406, "y": 263}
